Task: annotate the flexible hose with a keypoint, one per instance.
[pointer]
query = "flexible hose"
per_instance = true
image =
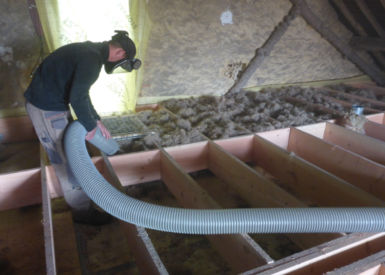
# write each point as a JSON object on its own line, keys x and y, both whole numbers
{"x": 192, "y": 221}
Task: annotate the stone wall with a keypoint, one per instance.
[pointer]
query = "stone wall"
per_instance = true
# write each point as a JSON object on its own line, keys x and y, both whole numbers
{"x": 198, "y": 47}
{"x": 19, "y": 51}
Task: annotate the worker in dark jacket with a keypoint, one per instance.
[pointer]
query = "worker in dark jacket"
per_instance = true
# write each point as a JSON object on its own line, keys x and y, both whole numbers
{"x": 64, "y": 78}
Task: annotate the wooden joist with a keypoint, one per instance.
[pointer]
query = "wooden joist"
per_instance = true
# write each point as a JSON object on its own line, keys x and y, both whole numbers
{"x": 349, "y": 16}
{"x": 308, "y": 180}
{"x": 356, "y": 170}
{"x": 326, "y": 257}
{"x": 349, "y": 105}
{"x": 379, "y": 91}
{"x": 375, "y": 130}
{"x": 256, "y": 189}
{"x": 362, "y": 145}
{"x": 143, "y": 250}
{"x": 241, "y": 253}
{"x": 367, "y": 43}
{"x": 315, "y": 106}
{"x": 372, "y": 265}
{"x": 372, "y": 19}
{"x": 363, "y": 99}
{"x": 47, "y": 217}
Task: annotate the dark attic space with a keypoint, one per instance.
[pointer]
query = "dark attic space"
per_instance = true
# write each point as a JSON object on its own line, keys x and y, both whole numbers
{"x": 192, "y": 137}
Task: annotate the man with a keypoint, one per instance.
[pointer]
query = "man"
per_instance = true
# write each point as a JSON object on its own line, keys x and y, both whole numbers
{"x": 64, "y": 78}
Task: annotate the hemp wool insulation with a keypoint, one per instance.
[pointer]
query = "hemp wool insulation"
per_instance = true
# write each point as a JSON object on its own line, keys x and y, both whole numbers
{"x": 219, "y": 117}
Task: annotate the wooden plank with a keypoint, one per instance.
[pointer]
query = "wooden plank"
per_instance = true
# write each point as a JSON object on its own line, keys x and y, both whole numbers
{"x": 307, "y": 179}
{"x": 349, "y": 105}
{"x": 377, "y": 118}
{"x": 370, "y": 16}
{"x": 368, "y": 266}
{"x": 375, "y": 130}
{"x": 358, "y": 171}
{"x": 380, "y": 91}
{"x": 374, "y": 102}
{"x": 237, "y": 250}
{"x": 20, "y": 189}
{"x": 143, "y": 250}
{"x": 47, "y": 217}
{"x": 191, "y": 157}
{"x": 315, "y": 106}
{"x": 239, "y": 147}
{"x": 138, "y": 167}
{"x": 257, "y": 190}
{"x": 326, "y": 257}
{"x": 357, "y": 143}
{"x": 152, "y": 107}
{"x": 16, "y": 129}
{"x": 367, "y": 43}
{"x": 316, "y": 130}
{"x": 279, "y": 137}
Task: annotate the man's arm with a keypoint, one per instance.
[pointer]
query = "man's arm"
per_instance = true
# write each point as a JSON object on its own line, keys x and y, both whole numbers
{"x": 86, "y": 73}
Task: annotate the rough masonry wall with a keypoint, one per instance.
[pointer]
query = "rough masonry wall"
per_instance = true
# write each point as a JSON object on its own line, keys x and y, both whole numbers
{"x": 19, "y": 51}
{"x": 197, "y": 47}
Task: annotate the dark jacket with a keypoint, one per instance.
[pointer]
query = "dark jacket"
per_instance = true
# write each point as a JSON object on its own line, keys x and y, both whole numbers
{"x": 65, "y": 77}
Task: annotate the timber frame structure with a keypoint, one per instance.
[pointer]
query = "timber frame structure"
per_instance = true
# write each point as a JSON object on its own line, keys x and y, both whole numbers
{"x": 325, "y": 163}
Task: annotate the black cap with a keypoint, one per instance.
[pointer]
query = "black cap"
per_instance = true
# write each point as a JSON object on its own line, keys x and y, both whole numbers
{"x": 126, "y": 42}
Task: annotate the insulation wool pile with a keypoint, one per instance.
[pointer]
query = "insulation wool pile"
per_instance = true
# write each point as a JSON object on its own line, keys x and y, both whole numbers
{"x": 366, "y": 93}
{"x": 185, "y": 120}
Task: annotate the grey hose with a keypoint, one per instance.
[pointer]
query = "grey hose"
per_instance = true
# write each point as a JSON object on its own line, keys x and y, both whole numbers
{"x": 192, "y": 221}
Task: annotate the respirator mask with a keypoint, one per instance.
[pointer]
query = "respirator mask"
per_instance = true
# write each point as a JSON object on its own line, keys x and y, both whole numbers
{"x": 130, "y": 62}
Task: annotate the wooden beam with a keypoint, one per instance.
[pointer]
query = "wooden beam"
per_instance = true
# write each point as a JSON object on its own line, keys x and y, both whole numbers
{"x": 377, "y": 118}
{"x": 372, "y": 265}
{"x": 264, "y": 51}
{"x": 349, "y": 105}
{"x": 16, "y": 129}
{"x": 20, "y": 189}
{"x": 375, "y": 130}
{"x": 334, "y": 40}
{"x": 315, "y": 106}
{"x": 358, "y": 171}
{"x": 370, "y": 16}
{"x": 374, "y": 102}
{"x": 379, "y": 91}
{"x": 344, "y": 9}
{"x": 326, "y": 257}
{"x": 307, "y": 179}
{"x": 367, "y": 43}
{"x": 316, "y": 130}
{"x": 47, "y": 217}
{"x": 357, "y": 143}
{"x": 256, "y": 189}
{"x": 279, "y": 137}
{"x": 145, "y": 255}
{"x": 238, "y": 251}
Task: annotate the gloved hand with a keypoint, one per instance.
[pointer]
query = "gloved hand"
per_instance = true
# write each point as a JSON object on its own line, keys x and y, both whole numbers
{"x": 103, "y": 129}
